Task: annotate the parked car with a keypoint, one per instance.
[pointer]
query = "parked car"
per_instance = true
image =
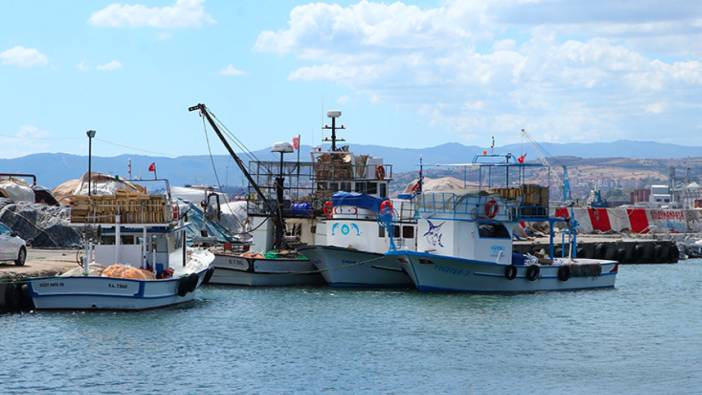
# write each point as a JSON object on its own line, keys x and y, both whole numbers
{"x": 12, "y": 247}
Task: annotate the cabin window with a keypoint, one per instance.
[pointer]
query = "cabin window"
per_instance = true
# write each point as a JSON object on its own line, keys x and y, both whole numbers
{"x": 361, "y": 187}
{"x": 322, "y": 186}
{"x": 381, "y": 231}
{"x": 333, "y": 186}
{"x": 408, "y": 232}
{"x": 396, "y": 231}
{"x": 493, "y": 231}
{"x": 345, "y": 186}
{"x": 383, "y": 190}
{"x": 372, "y": 188}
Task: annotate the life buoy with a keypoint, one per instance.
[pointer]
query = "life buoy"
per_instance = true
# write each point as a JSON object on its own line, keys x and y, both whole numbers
{"x": 380, "y": 172}
{"x": 491, "y": 208}
{"x": 511, "y": 272}
{"x": 175, "y": 210}
{"x": 564, "y": 273}
{"x": 328, "y": 209}
{"x": 532, "y": 272}
{"x": 386, "y": 205}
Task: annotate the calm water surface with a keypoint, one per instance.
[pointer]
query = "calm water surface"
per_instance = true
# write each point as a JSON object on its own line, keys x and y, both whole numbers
{"x": 643, "y": 337}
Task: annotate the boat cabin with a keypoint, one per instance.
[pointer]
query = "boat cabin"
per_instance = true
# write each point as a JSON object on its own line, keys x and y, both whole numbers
{"x": 471, "y": 226}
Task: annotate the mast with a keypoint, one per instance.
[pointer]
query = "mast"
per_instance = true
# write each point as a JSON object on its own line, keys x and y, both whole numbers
{"x": 276, "y": 211}
{"x": 333, "y": 115}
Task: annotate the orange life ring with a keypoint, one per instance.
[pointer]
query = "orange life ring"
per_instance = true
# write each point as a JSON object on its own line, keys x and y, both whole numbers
{"x": 491, "y": 208}
{"x": 386, "y": 204}
{"x": 328, "y": 209}
{"x": 380, "y": 172}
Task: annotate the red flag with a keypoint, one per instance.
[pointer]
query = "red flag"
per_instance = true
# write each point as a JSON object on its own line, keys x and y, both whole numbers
{"x": 152, "y": 167}
{"x": 521, "y": 158}
{"x": 296, "y": 142}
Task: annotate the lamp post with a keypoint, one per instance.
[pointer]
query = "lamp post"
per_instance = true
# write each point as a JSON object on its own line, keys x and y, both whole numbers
{"x": 90, "y": 134}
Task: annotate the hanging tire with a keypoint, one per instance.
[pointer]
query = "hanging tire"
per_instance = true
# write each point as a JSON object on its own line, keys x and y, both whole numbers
{"x": 26, "y": 303}
{"x": 532, "y": 272}
{"x": 564, "y": 273}
{"x": 511, "y": 272}
{"x": 208, "y": 275}
{"x": 674, "y": 253}
{"x": 11, "y": 297}
{"x": 657, "y": 255}
{"x": 601, "y": 251}
{"x": 637, "y": 252}
{"x": 183, "y": 285}
{"x": 192, "y": 282}
{"x": 621, "y": 254}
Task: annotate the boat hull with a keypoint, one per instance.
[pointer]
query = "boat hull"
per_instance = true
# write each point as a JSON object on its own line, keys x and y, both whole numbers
{"x": 106, "y": 293}
{"x": 344, "y": 267}
{"x": 434, "y": 273}
{"x": 235, "y": 270}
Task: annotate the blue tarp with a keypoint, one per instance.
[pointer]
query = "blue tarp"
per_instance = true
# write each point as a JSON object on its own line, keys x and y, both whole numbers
{"x": 356, "y": 199}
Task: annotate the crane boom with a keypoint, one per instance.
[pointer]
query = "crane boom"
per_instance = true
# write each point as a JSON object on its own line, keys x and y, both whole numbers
{"x": 275, "y": 211}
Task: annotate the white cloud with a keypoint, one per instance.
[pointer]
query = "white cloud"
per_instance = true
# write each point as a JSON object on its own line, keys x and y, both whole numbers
{"x": 231, "y": 71}
{"x": 82, "y": 66}
{"x": 110, "y": 66}
{"x": 184, "y": 13}
{"x": 576, "y": 72}
{"x": 655, "y": 108}
{"x": 27, "y": 140}
{"x": 23, "y": 57}
{"x": 342, "y": 100}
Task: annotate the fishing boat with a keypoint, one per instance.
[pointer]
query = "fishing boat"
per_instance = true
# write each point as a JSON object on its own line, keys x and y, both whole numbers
{"x": 271, "y": 259}
{"x": 352, "y": 241}
{"x": 135, "y": 257}
{"x": 465, "y": 243}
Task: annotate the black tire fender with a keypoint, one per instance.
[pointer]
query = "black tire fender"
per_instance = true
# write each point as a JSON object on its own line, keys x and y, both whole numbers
{"x": 533, "y": 272}
{"x": 511, "y": 272}
{"x": 564, "y": 273}
{"x": 208, "y": 275}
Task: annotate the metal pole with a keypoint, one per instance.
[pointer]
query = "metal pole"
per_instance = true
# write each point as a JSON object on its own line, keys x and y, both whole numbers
{"x": 90, "y": 164}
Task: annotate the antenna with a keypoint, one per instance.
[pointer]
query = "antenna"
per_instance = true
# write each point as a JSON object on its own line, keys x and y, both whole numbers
{"x": 333, "y": 115}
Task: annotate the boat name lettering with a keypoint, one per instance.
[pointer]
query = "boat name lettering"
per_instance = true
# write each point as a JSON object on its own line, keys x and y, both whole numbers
{"x": 495, "y": 250}
{"x": 51, "y": 284}
{"x": 663, "y": 215}
{"x": 452, "y": 270}
{"x": 117, "y": 285}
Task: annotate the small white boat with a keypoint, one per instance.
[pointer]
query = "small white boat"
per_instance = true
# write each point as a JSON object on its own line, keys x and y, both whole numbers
{"x": 133, "y": 266}
{"x": 465, "y": 245}
{"x": 353, "y": 253}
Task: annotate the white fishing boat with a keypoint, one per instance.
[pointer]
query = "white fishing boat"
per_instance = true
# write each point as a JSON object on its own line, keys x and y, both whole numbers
{"x": 465, "y": 239}
{"x": 465, "y": 245}
{"x": 136, "y": 258}
{"x": 351, "y": 246}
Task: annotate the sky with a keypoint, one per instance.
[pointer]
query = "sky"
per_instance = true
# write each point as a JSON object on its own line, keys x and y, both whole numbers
{"x": 404, "y": 74}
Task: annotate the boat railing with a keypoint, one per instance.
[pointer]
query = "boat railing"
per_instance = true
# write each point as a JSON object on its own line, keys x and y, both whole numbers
{"x": 466, "y": 206}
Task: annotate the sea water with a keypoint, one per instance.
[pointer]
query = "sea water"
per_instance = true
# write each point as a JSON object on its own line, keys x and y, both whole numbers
{"x": 645, "y": 336}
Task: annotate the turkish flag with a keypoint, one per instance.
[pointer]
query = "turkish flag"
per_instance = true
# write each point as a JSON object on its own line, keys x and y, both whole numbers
{"x": 296, "y": 142}
{"x": 521, "y": 158}
{"x": 152, "y": 167}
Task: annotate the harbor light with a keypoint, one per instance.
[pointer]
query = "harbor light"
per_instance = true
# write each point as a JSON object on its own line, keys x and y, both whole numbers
{"x": 90, "y": 134}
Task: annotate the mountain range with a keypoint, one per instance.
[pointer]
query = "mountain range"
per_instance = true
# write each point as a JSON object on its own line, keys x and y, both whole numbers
{"x": 54, "y": 168}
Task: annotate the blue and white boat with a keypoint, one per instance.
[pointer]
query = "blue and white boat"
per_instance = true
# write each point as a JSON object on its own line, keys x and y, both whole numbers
{"x": 153, "y": 265}
{"x": 465, "y": 245}
{"x": 350, "y": 245}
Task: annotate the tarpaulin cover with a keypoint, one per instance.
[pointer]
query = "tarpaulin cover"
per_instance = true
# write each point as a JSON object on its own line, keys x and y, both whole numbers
{"x": 356, "y": 199}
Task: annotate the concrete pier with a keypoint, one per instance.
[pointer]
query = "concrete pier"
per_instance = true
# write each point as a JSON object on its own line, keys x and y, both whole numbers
{"x": 40, "y": 263}
{"x": 616, "y": 248}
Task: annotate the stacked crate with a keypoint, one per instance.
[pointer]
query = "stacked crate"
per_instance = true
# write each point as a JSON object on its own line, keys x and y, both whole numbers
{"x": 133, "y": 208}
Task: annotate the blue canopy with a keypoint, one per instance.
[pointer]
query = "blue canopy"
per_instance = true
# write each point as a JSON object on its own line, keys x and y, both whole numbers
{"x": 356, "y": 199}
